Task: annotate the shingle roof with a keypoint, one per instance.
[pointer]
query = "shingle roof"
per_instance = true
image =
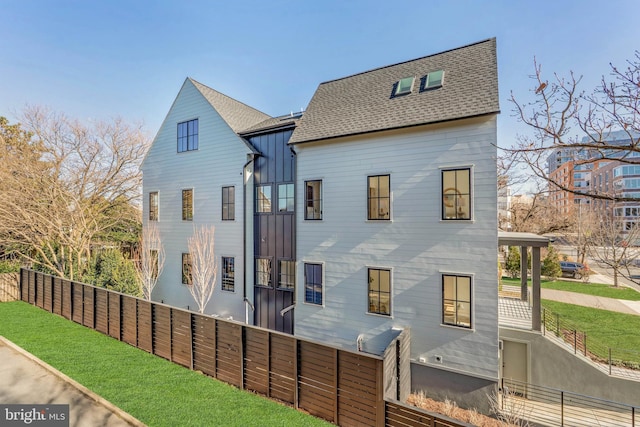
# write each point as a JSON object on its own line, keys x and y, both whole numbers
{"x": 238, "y": 116}
{"x": 364, "y": 103}
{"x": 271, "y": 123}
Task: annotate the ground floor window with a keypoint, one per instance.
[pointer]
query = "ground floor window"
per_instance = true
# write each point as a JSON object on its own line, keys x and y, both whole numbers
{"x": 313, "y": 283}
{"x": 228, "y": 274}
{"x": 379, "y": 291}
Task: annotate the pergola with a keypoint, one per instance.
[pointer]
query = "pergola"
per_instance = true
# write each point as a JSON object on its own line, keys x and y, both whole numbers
{"x": 526, "y": 241}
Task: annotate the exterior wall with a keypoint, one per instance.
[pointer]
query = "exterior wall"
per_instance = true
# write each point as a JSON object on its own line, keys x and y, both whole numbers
{"x": 416, "y": 244}
{"x": 218, "y": 162}
{"x": 552, "y": 366}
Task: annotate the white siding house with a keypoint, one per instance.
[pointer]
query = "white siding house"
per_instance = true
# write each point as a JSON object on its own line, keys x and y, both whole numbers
{"x": 217, "y": 162}
{"x": 375, "y": 210}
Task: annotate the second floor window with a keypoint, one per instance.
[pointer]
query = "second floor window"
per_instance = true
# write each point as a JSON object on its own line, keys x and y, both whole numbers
{"x": 153, "y": 206}
{"x": 456, "y": 300}
{"x": 456, "y": 194}
{"x": 263, "y": 198}
{"x": 187, "y": 205}
{"x": 379, "y": 197}
{"x": 228, "y": 203}
{"x": 286, "y": 198}
{"x": 188, "y": 136}
{"x": 313, "y": 199}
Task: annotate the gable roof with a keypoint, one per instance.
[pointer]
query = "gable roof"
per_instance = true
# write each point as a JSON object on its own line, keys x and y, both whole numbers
{"x": 364, "y": 102}
{"x": 238, "y": 116}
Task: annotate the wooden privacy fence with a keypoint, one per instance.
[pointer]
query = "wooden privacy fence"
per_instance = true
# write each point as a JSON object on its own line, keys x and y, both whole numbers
{"x": 9, "y": 287}
{"x": 341, "y": 386}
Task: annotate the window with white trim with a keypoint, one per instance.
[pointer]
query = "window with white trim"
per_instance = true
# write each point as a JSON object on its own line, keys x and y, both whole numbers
{"x": 456, "y": 300}
{"x": 456, "y": 194}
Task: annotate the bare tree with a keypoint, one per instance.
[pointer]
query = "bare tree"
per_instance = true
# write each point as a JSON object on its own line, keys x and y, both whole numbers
{"x": 204, "y": 268}
{"x": 73, "y": 184}
{"x": 562, "y": 116}
{"x": 150, "y": 258}
{"x": 609, "y": 239}
{"x": 535, "y": 214}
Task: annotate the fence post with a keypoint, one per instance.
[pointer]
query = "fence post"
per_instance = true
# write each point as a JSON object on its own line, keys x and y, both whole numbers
{"x": 585, "y": 343}
{"x": 562, "y": 408}
{"x": 544, "y": 321}
{"x": 575, "y": 342}
{"x": 557, "y": 324}
{"x": 633, "y": 416}
{"x": 609, "y": 360}
{"x": 502, "y": 400}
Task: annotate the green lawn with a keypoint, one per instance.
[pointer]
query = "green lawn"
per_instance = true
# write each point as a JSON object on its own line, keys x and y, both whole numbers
{"x": 597, "y": 289}
{"x": 604, "y": 329}
{"x": 154, "y": 390}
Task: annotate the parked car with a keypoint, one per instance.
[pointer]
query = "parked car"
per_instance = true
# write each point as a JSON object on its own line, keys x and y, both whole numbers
{"x": 573, "y": 269}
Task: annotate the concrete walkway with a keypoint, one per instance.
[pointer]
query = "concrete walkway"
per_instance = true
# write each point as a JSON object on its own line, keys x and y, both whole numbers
{"x": 611, "y": 304}
{"x": 25, "y": 379}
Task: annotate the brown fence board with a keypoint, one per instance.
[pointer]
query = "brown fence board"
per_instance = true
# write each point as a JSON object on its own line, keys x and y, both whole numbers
{"x": 24, "y": 285}
{"x": 145, "y": 325}
{"x": 400, "y": 415}
{"x": 181, "y": 337}
{"x": 76, "y": 304}
{"x": 283, "y": 375}
{"x": 256, "y": 360}
{"x": 88, "y": 305}
{"x": 229, "y": 353}
{"x": 48, "y": 293}
{"x": 162, "y": 331}
{"x": 101, "y": 298}
{"x": 317, "y": 378}
{"x": 115, "y": 315}
{"x": 67, "y": 299}
{"x": 39, "y": 297}
{"x": 57, "y": 295}
{"x": 31, "y": 290}
{"x": 204, "y": 344}
{"x": 128, "y": 321}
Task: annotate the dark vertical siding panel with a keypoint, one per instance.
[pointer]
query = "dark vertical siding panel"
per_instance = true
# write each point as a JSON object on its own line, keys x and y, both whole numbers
{"x": 279, "y": 158}
{"x": 271, "y": 156}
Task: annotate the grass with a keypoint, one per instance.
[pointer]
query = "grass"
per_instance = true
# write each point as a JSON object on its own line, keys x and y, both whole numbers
{"x": 597, "y": 289}
{"x": 606, "y": 328}
{"x": 154, "y": 390}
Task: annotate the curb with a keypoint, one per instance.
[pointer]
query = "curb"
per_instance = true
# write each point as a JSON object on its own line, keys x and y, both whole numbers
{"x": 82, "y": 389}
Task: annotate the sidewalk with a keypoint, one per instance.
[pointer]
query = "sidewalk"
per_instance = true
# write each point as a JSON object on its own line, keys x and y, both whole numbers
{"x": 25, "y": 379}
{"x": 611, "y": 304}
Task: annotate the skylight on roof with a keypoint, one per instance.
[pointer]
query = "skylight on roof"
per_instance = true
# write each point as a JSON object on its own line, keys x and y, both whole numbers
{"x": 404, "y": 86}
{"x": 433, "y": 80}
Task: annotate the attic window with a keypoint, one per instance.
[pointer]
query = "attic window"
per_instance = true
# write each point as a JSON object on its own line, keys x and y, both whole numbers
{"x": 432, "y": 80}
{"x": 404, "y": 86}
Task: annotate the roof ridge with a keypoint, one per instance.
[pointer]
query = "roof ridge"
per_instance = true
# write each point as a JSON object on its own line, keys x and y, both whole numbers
{"x": 410, "y": 60}
{"x": 226, "y": 96}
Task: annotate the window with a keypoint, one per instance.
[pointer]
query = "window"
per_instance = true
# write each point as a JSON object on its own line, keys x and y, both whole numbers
{"x": 287, "y": 279}
{"x": 456, "y": 194}
{"x": 153, "y": 206}
{"x": 186, "y": 269}
{"x": 456, "y": 300}
{"x": 263, "y": 272}
{"x": 228, "y": 203}
{"x": 404, "y": 86}
{"x": 432, "y": 80}
{"x": 379, "y": 291}
{"x": 188, "y": 136}
{"x": 313, "y": 283}
{"x": 263, "y": 198}
{"x": 313, "y": 199}
{"x": 379, "y": 197}
{"x": 286, "y": 198}
{"x": 187, "y": 205}
{"x": 228, "y": 274}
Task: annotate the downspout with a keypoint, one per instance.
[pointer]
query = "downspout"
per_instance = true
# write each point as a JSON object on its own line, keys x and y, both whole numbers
{"x": 295, "y": 235}
{"x": 248, "y": 305}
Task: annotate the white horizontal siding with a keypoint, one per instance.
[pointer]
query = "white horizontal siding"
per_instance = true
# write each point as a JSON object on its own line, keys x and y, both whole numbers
{"x": 417, "y": 245}
{"x": 218, "y": 162}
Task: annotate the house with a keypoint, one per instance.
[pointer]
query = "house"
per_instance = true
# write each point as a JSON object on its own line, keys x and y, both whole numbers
{"x": 375, "y": 210}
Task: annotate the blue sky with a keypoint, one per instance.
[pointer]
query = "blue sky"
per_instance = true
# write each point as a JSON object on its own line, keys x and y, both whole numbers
{"x": 96, "y": 60}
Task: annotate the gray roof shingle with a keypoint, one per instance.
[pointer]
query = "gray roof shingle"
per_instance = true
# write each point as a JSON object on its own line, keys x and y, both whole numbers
{"x": 238, "y": 116}
{"x": 364, "y": 103}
